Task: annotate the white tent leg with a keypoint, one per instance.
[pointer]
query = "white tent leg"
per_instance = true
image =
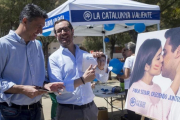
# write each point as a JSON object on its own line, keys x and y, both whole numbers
{"x": 104, "y": 45}
{"x": 158, "y": 26}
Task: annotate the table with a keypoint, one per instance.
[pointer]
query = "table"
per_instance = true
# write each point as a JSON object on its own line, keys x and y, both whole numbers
{"x": 99, "y": 93}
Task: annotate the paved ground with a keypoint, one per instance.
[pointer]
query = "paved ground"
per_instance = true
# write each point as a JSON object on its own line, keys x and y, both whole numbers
{"x": 100, "y": 102}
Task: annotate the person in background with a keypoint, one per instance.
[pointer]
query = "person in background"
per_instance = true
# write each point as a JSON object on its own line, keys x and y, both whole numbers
{"x": 102, "y": 71}
{"x": 121, "y": 80}
{"x": 124, "y": 55}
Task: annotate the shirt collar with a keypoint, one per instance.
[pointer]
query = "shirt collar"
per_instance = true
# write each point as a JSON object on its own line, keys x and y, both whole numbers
{"x": 17, "y": 37}
{"x": 63, "y": 49}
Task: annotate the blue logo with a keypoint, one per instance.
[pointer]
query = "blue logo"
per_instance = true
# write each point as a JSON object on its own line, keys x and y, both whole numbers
{"x": 87, "y": 58}
{"x": 132, "y": 102}
{"x": 87, "y": 15}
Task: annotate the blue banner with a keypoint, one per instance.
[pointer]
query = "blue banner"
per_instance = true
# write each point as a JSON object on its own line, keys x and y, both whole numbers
{"x": 113, "y": 15}
{"x": 49, "y": 23}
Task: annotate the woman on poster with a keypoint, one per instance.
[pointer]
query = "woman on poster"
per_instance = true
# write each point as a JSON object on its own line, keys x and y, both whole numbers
{"x": 144, "y": 96}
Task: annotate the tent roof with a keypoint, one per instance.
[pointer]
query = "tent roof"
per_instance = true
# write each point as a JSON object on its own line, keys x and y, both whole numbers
{"x": 102, "y": 12}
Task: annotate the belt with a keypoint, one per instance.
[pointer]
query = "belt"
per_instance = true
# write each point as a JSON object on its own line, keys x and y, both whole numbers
{"x": 32, "y": 106}
{"x": 77, "y": 106}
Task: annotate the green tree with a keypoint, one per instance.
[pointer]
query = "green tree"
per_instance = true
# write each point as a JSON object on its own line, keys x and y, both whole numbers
{"x": 170, "y": 12}
{"x": 10, "y": 11}
{"x": 9, "y": 17}
{"x": 96, "y": 43}
{"x": 170, "y": 16}
{"x": 120, "y": 39}
{"x": 59, "y": 2}
{"x": 45, "y": 42}
{"x": 93, "y": 43}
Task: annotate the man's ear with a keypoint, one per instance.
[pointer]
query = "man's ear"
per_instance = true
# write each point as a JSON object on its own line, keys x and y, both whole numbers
{"x": 56, "y": 37}
{"x": 177, "y": 52}
{"x": 24, "y": 20}
{"x": 147, "y": 67}
{"x": 73, "y": 32}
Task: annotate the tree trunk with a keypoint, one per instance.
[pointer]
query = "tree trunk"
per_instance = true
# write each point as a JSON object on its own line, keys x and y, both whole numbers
{"x": 113, "y": 42}
{"x": 45, "y": 50}
{"x": 133, "y": 35}
{"x": 111, "y": 52}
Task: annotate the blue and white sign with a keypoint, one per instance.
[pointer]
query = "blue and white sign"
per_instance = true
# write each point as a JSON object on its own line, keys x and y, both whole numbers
{"x": 49, "y": 23}
{"x": 113, "y": 15}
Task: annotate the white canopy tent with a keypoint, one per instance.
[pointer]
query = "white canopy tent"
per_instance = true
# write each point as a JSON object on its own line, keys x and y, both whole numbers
{"x": 89, "y": 16}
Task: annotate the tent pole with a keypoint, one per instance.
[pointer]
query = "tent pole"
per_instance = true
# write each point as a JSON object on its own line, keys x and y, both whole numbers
{"x": 158, "y": 26}
{"x": 104, "y": 45}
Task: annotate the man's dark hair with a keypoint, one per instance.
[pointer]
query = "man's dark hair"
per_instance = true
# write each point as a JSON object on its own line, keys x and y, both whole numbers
{"x": 102, "y": 56}
{"x": 61, "y": 20}
{"x": 174, "y": 35}
{"x": 31, "y": 12}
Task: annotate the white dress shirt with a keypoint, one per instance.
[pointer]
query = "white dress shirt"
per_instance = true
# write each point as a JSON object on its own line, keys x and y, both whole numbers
{"x": 63, "y": 66}
{"x": 175, "y": 108}
{"x": 128, "y": 64}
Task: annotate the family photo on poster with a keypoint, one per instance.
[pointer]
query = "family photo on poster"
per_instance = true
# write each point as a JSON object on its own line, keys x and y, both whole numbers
{"x": 155, "y": 79}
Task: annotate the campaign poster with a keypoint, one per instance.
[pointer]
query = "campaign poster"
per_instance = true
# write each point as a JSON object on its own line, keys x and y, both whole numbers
{"x": 155, "y": 79}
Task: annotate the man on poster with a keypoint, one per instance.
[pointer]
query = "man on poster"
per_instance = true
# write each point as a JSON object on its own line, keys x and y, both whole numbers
{"x": 171, "y": 58}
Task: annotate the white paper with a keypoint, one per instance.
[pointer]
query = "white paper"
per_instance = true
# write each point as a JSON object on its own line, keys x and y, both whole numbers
{"x": 88, "y": 60}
